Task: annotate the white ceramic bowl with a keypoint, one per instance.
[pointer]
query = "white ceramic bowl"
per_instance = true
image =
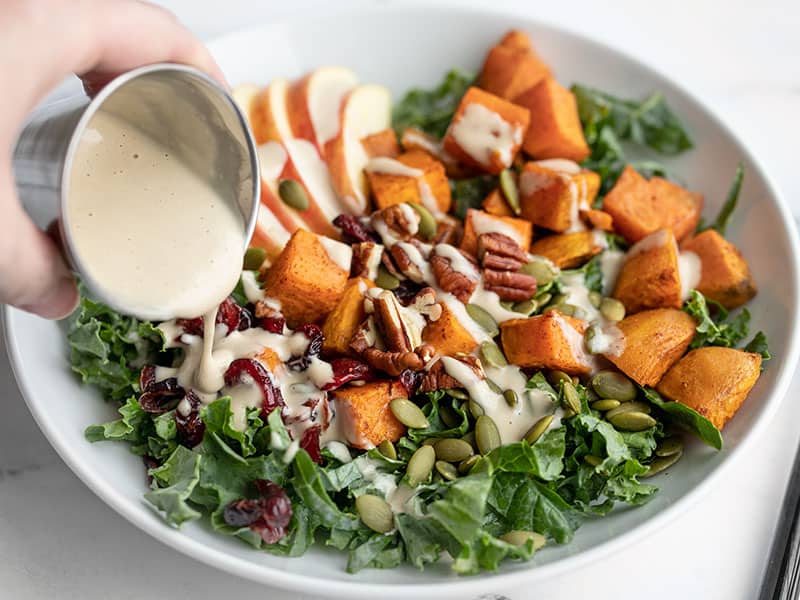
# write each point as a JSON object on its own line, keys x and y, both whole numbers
{"x": 413, "y": 46}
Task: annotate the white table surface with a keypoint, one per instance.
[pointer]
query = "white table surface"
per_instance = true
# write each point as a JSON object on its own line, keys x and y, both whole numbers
{"x": 57, "y": 540}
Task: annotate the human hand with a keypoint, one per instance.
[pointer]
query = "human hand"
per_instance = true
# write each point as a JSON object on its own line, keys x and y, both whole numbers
{"x": 41, "y": 42}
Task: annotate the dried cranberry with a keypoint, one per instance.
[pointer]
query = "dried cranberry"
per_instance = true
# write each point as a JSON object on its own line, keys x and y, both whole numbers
{"x": 406, "y": 291}
{"x": 260, "y": 377}
{"x": 315, "y": 340}
{"x": 246, "y": 319}
{"x": 147, "y": 377}
{"x": 346, "y": 370}
{"x": 310, "y": 443}
{"x": 272, "y": 324}
{"x": 277, "y": 508}
{"x": 242, "y": 513}
{"x": 411, "y": 380}
{"x": 268, "y": 516}
{"x": 149, "y": 464}
{"x": 353, "y": 230}
{"x": 161, "y": 396}
{"x": 229, "y": 314}
{"x": 190, "y": 427}
{"x": 191, "y": 326}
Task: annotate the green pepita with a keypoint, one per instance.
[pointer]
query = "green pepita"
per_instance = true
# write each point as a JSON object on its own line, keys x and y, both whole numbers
{"x": 510, "y": 190}
{"x": 632, "y": 421}
{"x": 538, "y": 429}
{"x": 594, "y": 340}
{"x": 612, "y": 309}
{"x": 526, "y": 307}
{"x": 543, "y": 300}
{"x": 386, "y": 280}
{"x": 595, "y": 298}
{"x": 669, "y": 446}
{"x": 542, "y": 270}
{"x": 427, "y": 224}
{"x": 446, "y": 470}
{"x": 457, "y": 393}
{"x": 487, "y": 436}
{"x": 449, "y": 416}
{"x": 465, "y": 466}
{"x": 568, "y": 414}
{"x": 556, "y": 377}
{"x": 431, "y": 441}
{"x": 491, "y": 355}
{"x": 375, "y": 512}
{"x": 591, "y": 459}
{"x": 483, "y": 318}
{"x": 475, "y": 409}
{"x": 420, "y": 465}
{"x": 511, "y": 398}
{"x": 661, "y": 463}
{"x": 453, "y": 450}
{"x": 520, "y": 538}
{"x": 254, "y": 258}
{"x": 469, "y": 437}
{"x": 493, "y": 386}
{"x": 605, "y": 404}
{"x": 612, "y": 384}
{"x": 408, "y": 413}
{"x": 572, "y": 399}
{"x": 293, "y": 194}
{"x": 624, "y": 407}
{"x": 386, "y": 448}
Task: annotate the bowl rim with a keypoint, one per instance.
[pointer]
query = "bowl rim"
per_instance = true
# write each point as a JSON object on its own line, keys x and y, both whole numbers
{"x": 471, "y": 586}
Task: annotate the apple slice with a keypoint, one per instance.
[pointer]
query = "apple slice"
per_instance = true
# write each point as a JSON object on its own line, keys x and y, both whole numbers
{"x": 272, "y": 158}
{"x": 269, "y": 234}
{"x": 313, "y": 104}
{"x": 244, "y": 95}
{"x": 366, "y": 110}
{"x": 268, "y": 116}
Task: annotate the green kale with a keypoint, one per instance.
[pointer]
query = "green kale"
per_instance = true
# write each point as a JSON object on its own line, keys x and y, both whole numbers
{"x": 432, "y": 110}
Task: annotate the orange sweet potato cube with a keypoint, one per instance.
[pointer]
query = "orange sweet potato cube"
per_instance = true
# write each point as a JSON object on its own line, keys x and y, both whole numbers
{"x": 425, "y": 183}
{"x": 553, "y": 191}
{"x": 555, "y": 130}
{"x": 639, "y": 207}
{"x": 382, "y": 143}
{"x": 447, "y": 335}
{"x": 270, "y": 359}
{"x": 713, "y": 380}
{"x": 598, "y": 219}
{"x": 568, "y": 250}
{"x": 478, "y": 222}
{"x": 366, "y": 417}
{"x": 342, "y": 322}
{"x": 649, "y": 277}
{"x": 654, "y": 341}
{"x": 495, "y": 204}
{"x": 725, "y": 276}
{"x": 548, "y": 341}
{"x": 486, "y": 131}
{"x": 309, "y": 277}
{"x": 511, "y": 67}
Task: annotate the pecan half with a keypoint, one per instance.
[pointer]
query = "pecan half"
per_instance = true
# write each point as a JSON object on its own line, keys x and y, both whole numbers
{"x": 404, "y": 263}
{"x": 266, "y": 311}
{"x": 436, "y": 378}
{"x": 500, "y": 252}
{"x": 396, "y": 333}
{"x": 448, "y": 231}
{"x": 392, "y": 363}
{"x": 365, "y": 336}
{"x": 450, "y": 280}
{"x": 510, "y": 286}
{"x": 425, "y": 304}
{"x": 400, "y": 221}
{"x": 366, "y": 258}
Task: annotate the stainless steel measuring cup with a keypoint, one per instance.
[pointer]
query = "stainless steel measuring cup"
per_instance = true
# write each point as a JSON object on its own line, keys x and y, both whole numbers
{"x": 176, "y": 105}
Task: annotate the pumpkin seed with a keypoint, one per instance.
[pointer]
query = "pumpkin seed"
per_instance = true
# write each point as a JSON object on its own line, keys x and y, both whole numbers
{"x": 661, "y": 463}
{"x": 510, "y": 190}
{"x": 632, "y": 421}
{"x": 624, "y": 407}
{"x": 487, "y": 436}
{"x": 542, "y": 270}
{"x": 493, "y": 386}
{"x": 556, "y": 377}
{"x": 386, "y": 448}
{"x": 593, "y": 460}
{"x": 483, "y": 318}
{"x": 612, "y": 384}
{"x": 595, "y": 298}
{"x": 538, "y": 429}
{"x": 293, "y": 194}
{"x": 457, "y": 393}
{"x": 669, "y": 446}
{"x": 453, "y": 450}
{"x": 469, "y": 437}
{"x": 386, "y": 280}
{"x": 511, "y": 398}
{"x": 612, "y": 309}
{"x": 543, "y": 300}
{"x": 408, "y": 413}
{"x": 507, "y": 304}
{"x": 594, "y": 340}
{"x": 465, "y": 466}
{"x": 254, "y": 258}
{"x": 446, "y": 470}
{"x": 427, "y": 224}
{"x": 605, "y": 404}
{"x": 449, "y": 416}
{"x": 520, "y": 538}
{"x": 420, "y": 465}
{"x": 568, "y": 310}
{"x": 568, "y": 413}
{"x": 492, "y": 356}
{"x": 526, "y": 307}
{"x": 572, "y": 399}
{"x": 475, "y": 409}
{"x": 375, "y": 512}
{"x": 431, "y": 441}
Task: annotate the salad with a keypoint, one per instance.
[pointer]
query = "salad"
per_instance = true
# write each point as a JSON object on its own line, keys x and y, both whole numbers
{"x": 467, "y": 323}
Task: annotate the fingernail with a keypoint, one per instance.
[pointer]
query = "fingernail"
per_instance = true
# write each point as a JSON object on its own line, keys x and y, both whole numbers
{"x": 58, "y": 302}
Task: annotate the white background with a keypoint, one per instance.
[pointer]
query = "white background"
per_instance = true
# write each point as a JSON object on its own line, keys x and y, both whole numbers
{"x": 57, "y": 540}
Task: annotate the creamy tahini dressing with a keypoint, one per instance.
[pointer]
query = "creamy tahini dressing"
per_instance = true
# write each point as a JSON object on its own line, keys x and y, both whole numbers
{"x": 483, "y": 133}
{"x": 149, "y": 231}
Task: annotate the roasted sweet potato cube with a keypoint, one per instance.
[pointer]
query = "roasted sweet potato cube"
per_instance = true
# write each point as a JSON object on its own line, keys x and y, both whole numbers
{"x": 478, "y": 222}
{"x": 486, "y": 131}
{"x": 650, "y": 276}
{"x": 496, "y": 204}
{"x": 309, "y": 277}
{"x": 270, "y": 359}
{"x": 382, "y": 143}
{"x": 598, "y": 219}
{"x": 553, "y": 191}
{"x": 343, "y": 321}
{"x": 414, "y": 176}
{"x": 639, "y": 207}
{"x": 654, "y": 341}
{"x": 548, "y": 341}
{"x": 725, "y": 276}
{"x": 511, "y": 67}
{"x": 713, "y": 380}
{"x": 447, "y": 335}
{"x": 414, "y": 139}
{"x": 555, "y": 130}
{"x": 365, "y": 415}
{"x": 568, "y": 250}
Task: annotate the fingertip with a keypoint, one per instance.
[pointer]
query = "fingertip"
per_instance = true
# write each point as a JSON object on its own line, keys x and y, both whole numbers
{"x": 59, "y": 302}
